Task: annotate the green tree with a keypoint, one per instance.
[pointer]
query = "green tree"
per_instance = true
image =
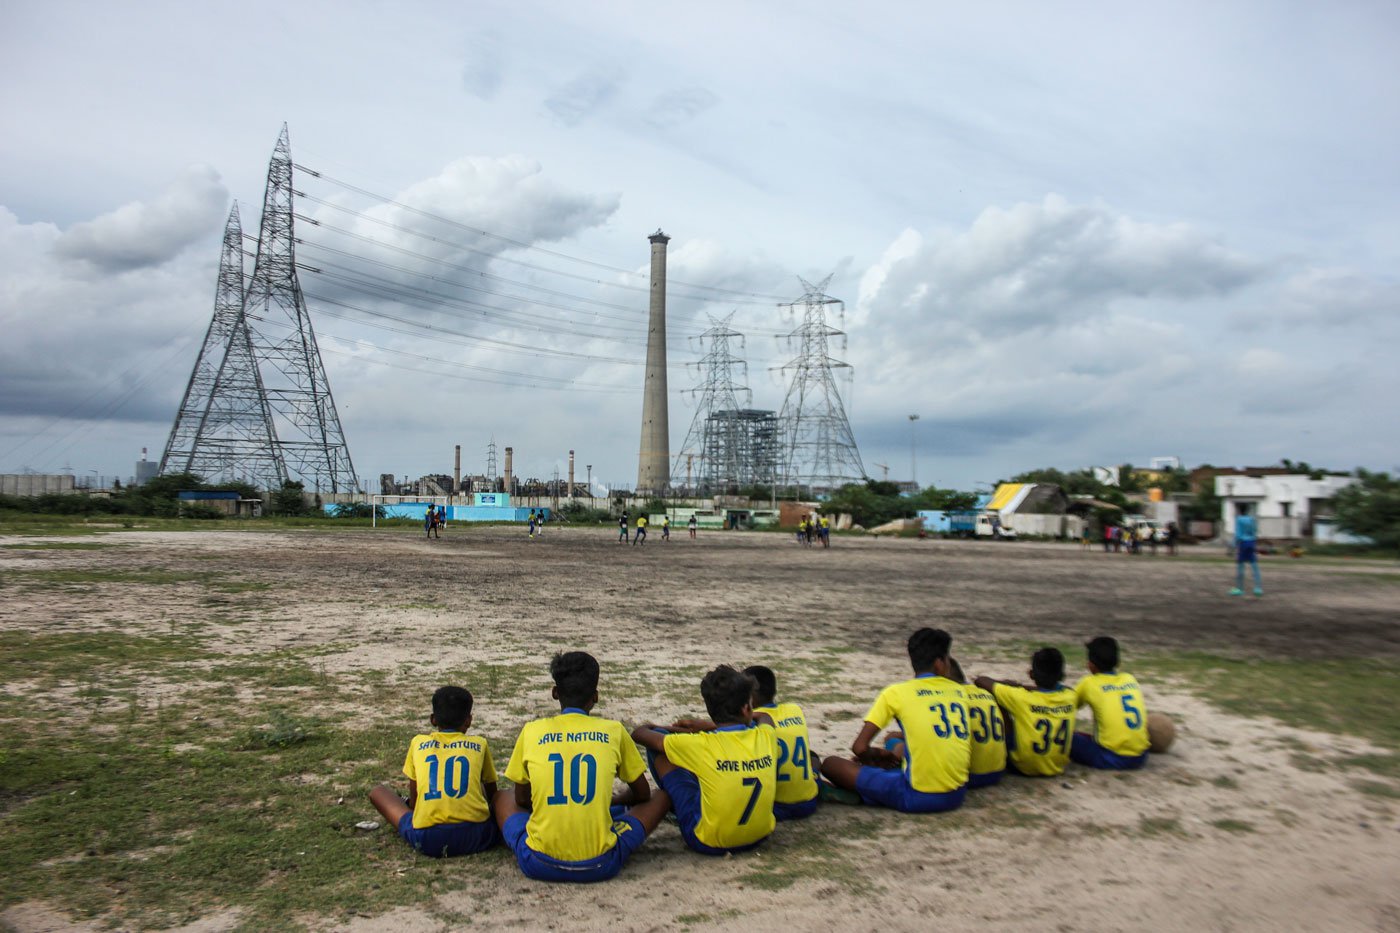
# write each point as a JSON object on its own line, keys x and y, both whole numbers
{"x": 289, "y": 500}
{"x": 1371, "y": 508}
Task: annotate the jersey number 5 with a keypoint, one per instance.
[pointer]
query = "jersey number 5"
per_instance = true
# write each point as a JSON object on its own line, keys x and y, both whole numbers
{"x": 1132, "y": 716}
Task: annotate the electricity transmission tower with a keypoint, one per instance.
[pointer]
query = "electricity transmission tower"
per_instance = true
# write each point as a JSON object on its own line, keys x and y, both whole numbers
{"x": 736, "y": 446}
{"x": 270, "y": 393}
{"x": 819, "y": 450}
{"x": 223, "y": 430}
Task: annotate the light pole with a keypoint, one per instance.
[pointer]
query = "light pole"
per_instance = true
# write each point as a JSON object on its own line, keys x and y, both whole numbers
{"x": 589, "y": 468}
{"x": 913, "y": 461}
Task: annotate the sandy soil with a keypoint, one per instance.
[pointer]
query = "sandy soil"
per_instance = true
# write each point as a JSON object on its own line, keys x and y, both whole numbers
{"x": 1225, "y": 833}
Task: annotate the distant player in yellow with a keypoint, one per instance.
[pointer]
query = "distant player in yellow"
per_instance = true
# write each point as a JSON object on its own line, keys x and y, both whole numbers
{"x": 451, "y": 781}
{"x": 666, "y": 528}
{"x": 930, "y": 775}
{"x": 721, "y": 782}
{"x": 641, "y": 536}
{"x": 1039, "y": 721}
{"x": 561, "y": 819}
{"x": 1120, "y": 738}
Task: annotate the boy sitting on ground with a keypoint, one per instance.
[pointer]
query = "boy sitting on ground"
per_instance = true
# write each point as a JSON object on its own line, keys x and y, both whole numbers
{"x": 722, "y": 781}
{"x": 987, "y": 733}
{"x": 561, "y": 819}
{"x": 1120, "y": 739}
{"x": 451, "y": 781}
{"x": 930, "y": 774}
{"x": 1038, "y": 721}
{"x": 797, "y": 795}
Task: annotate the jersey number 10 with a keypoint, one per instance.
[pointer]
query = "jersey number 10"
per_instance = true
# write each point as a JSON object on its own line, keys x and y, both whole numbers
{"x": 455, "y": 776}
{"x": 583, "y": 779}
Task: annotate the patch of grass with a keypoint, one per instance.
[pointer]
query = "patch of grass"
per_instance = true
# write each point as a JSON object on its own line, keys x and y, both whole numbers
{"x": 29, "y": 655}
{"x": 59, "y": 546}
{"x": 1160, "y": 826}
{"x": 1338, "y": 687}
{"x": 239, "y": 586}
{"x": 280, "y": 731}
{"x": 1377, "y": 789}
{"x": 803, "y": 851}
{"x": 1226, "y": 782}
{"x": 1233, "y": 826}
{"x": 63, "y": 577}
{"x": 1384, "y": 765}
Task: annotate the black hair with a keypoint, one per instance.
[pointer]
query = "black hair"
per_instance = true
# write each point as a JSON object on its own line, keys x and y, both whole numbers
{"x": 765, "y": 684}
{"x": 575, "y": 676}
{"x": 1103, "y": 653}
{"x": 957, "y": 672}
{"x": 726, "y": 693}
{"x": 926, "y": 646}
{"x": 1047, "y": 668}
{"x": 452, "y": 707}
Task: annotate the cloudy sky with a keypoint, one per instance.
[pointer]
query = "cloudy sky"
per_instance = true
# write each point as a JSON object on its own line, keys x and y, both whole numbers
{"x": 1066, "y": 234}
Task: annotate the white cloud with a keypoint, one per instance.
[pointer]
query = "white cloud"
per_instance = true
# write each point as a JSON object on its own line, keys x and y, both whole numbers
{"x": 149, "y": 233}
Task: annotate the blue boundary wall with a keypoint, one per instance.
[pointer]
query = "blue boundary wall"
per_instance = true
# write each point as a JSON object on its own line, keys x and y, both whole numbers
{"x": 458, "y": 513}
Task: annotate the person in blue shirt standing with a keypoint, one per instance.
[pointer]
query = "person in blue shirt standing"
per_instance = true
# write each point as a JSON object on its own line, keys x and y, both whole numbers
{"x": 1246, "y": 539}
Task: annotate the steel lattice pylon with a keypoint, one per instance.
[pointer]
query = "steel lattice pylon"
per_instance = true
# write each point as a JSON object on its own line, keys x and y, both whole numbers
{"x": 307, "y": 426}
{"x": 223, "y": 430}
{"x": 819, "y": 450}
{"x": 735, "y": 447}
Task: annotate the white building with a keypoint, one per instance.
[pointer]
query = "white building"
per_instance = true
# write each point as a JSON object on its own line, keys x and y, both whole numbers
{"x": 1287, "y": 506}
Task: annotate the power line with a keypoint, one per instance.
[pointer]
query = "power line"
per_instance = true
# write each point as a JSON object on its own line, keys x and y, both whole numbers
{"x": 742, "y": 297}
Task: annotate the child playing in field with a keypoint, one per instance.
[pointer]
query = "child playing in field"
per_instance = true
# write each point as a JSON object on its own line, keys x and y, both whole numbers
{"x": 1039, "y": 721}
{"x": 1120, "y": 740}
{"x": 561, "y": 819}
{"x": 930, "y": 774}
{"x": 722, "y": 781}
{"x": 641, "y": 535}
{"x": 451, "y": 782}
{"x": 691, "y": 525}
{"x": 622, "y": 528}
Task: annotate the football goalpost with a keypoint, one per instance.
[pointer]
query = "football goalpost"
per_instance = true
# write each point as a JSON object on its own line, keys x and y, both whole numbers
{"x": 377, "y": 499}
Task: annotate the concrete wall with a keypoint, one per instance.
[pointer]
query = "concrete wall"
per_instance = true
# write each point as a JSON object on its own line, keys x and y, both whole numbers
{"x": 1274, "y": 497}
{"x": 36, "y": 484}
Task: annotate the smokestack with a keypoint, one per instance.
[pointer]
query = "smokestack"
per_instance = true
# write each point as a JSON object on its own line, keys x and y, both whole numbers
{"x": 457, "y": 470}
{"x": 510, "y": 456}
{"x": 571, "y": 474}
{"x": 654, "y": 458}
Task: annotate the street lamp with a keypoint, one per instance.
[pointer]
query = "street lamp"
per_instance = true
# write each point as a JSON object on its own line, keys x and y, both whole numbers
{"x": 913, "y": 462}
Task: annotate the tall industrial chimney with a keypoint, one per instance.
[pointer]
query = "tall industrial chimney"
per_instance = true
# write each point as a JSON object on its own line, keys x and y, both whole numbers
{"x": 571, "y": 474}
{"x": 508, "y": 487}
{"x": 654, "y": 458}
{"x": 457, "y": 471}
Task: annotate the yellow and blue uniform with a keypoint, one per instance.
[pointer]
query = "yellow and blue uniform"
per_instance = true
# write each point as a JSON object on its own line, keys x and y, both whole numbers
{"x": 571, "y": 832}
{"x": 451, "y": 815}
{"x": 723, "y": 786}
{"x": 932, "y": 713}
{"x": 1039, "y": 724}
{"x": 796, "y": 795}
{"x": 1120, "y": 737}
{"x": 987, "y": 737}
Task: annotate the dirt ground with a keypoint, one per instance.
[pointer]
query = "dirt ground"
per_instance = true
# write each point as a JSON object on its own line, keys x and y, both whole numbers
{"x": 1227, "y": 832}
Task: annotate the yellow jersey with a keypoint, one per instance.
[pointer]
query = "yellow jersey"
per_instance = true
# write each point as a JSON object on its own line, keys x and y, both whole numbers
{"x": 932, "y": 712}
{"x": 570, "y": 761}
{"x": 641, "y": 521}
{"x": 450, "y": 769}
{"x": 987, "y": 731}
{"x": 1120, "y": 717}
{"x": 796, "y": 782}
{"x": 1042, "y": 724}
{"x": 737, "y": 769}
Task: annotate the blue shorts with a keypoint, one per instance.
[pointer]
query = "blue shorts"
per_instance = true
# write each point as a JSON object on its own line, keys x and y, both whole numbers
{"x": 984, "y": 780}
{"x": 630, "y": 836}
{"x": 795, "y": 811}
{"x": 447, "y": 839}
{"x": 890, "y": 788}
{"x": 1086, "y": 751}
{"x": 1245, "y": 552}
{"x": 684, "y": 788}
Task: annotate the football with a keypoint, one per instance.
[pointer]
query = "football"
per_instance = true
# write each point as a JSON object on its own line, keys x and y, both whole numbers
{"x": 1161, "y": 732}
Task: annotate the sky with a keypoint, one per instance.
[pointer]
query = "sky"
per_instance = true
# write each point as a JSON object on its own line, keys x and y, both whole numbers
{"x": 1065, "y": 234}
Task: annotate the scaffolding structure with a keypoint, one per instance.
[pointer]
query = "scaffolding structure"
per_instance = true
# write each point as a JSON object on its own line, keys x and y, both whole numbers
{"x": 819, "y": 449}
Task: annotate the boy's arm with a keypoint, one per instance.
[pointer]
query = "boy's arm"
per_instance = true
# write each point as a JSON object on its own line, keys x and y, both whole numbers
{"x": 413, "y": 795}
{"x": 522, "y": 796}
{"x": 639, "y": 791}
{"x": 865, "y": 754}
{"x": 692, "y": 725}
{"x": 490, "y": 788}
{"x": 647, "y": 737}
{"x": 763, "y": 719}
{"x": 988, "y": 683}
